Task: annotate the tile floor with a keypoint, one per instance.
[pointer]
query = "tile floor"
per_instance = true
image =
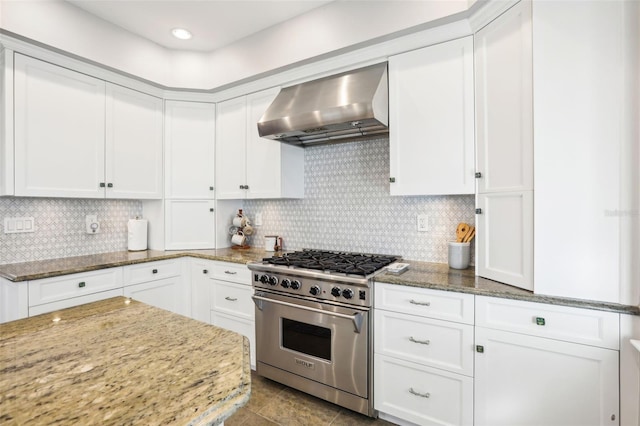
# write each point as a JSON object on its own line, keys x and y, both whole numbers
{"x": 273, "y": 404}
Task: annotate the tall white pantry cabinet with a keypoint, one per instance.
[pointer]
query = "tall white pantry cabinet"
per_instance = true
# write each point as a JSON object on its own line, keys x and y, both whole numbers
{"x": 189, "y": 175}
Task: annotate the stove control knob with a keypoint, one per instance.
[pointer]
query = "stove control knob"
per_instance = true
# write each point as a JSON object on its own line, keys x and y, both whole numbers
{"x": 286, "y": 283}
{"x": 295, "y": 284}
{"x": 273, "y": 281}
{"x": 336, "y": 292}
{"x": 347, "y": 293}
{"x": 264, "y": 279}
{"x": 315, "y": 290}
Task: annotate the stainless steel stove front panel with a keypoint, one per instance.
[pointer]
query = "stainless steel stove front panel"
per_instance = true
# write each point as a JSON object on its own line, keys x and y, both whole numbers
{"x": 313, "y": 288}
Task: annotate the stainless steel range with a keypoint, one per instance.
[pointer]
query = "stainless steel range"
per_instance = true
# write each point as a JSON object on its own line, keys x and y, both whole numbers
{"x": 313, "y": 323}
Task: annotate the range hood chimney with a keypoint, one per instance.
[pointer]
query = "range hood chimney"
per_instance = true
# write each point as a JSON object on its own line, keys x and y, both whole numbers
{"x": 338, "y": 108}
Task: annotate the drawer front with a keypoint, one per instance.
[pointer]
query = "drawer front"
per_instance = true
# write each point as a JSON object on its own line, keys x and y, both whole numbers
{"x": 152, "y": 271}
{"x": 445, "y": 305}
{"x": 596, "y": 328}
{"x": 234, "y": 272}
{"x": 53, "y": 289}
{"x": 234, "y": 299}
{"x": 240, "y": 326}
{"x": 422, "y": 395}
{"x": 74, "y": 301}
{"x": 441, "y": 344}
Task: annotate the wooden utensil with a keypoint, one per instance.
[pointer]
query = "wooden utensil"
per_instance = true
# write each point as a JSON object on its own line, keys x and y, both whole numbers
{"x": 461, "y": 231}
{"x": 472, "y": 233}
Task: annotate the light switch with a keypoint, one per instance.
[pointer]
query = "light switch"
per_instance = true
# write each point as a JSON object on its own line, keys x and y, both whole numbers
{"x": 16, "y": 225}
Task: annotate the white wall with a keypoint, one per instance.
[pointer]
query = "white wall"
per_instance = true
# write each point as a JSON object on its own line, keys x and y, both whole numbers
{"x": 336, "y": 26}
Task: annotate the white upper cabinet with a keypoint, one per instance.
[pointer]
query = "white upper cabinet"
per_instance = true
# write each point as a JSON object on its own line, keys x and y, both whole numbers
{"x": 248, "y": 166}
{"x": 431, "y": 120}
{"x": 504, "y": 117}
{"x": 587, "y": 146}
{"x": 231, "y": 148}
{"x": 504, "y": 147}
{"x": 189, "y": 129}
{"x": 59, "y": 131}
{"x": 133, "y": 144}
{"x": 77, "y": 136}
{"x": 274, "y": 169}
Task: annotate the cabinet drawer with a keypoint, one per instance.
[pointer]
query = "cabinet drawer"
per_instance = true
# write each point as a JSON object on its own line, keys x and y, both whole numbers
{"x": 234, "y": 299}
{"x": 74, "y": 301}
{"x": 53, "y": 289}
{"x": 152, "y": 271}
{"x": 569, "y": 324}
{"x": 239, "y": 325}
{"x": 422, "y": 395}
{"x": 445, "y": 305}
{"x": 441, "y": 344}
{"x": 234, "y": 272}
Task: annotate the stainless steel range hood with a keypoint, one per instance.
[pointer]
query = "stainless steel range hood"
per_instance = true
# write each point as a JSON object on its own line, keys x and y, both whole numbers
{"x": 342, "y": 107}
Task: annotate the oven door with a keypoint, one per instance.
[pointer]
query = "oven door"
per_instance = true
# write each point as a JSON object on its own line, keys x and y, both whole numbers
{"x": 319, "y": 341}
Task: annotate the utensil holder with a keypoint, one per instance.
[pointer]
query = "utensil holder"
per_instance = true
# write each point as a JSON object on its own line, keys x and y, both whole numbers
{"x": 459, "y": 255}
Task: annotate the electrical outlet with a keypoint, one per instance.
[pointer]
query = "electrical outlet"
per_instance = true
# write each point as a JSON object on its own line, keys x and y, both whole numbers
{"x": 423, "y": 223}
{"x": 258, "y": 219}
{"x": 92, "y": 224}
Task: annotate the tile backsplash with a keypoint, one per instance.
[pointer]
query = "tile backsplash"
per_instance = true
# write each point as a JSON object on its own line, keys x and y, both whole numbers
{"x": 60, "y": 227}
{"x": 347, "y": 207}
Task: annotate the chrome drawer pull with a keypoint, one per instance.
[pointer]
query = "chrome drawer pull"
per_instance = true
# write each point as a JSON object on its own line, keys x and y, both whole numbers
{"x": 413, "y": 302}
{"x": 424, "y": 395}
{"x": 422, "y": 342}
{"x": 230, "y": 299}
{"x": 230, "y": 272}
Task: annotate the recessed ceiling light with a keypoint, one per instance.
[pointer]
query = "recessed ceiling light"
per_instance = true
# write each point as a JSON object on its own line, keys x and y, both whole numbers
{"x": 181, "y": 33}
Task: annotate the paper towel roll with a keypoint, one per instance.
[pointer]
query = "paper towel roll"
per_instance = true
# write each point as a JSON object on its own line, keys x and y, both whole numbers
{"x": 137, "y": 234}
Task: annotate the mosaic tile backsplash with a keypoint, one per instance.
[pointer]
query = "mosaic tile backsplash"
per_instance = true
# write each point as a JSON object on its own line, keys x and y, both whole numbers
{"x": 60, "y": 227}
{"x": 347, "y": 207}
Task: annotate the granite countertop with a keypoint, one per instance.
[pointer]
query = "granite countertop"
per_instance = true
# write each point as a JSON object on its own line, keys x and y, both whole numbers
{"x": 70, "y": 265}
{"x": 420, "y": 274}
{"x": 118, "y": 361}
{"x": 439, "y": 276}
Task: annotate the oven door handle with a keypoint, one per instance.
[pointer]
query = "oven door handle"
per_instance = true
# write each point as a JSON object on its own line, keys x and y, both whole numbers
{"x": 356, "y": 318}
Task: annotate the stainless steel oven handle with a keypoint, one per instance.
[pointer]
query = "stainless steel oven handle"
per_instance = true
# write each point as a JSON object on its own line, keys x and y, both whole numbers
{"x": 356, "y": 318}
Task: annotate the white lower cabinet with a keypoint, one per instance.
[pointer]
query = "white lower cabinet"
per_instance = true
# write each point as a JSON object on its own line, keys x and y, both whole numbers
{"x": 526, "y": 375}
{"x": 230, "y": 300}
{"x": 200, "y": 270}
{"x": 423, "y": 364}
{"x": 50, "y": 294}
{"x": 422, "y": 395}
{"x": 160, "y": 284}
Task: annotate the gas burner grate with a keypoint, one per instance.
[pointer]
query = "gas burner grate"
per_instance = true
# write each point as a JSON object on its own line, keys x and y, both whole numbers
{"x": 331, "y": 261}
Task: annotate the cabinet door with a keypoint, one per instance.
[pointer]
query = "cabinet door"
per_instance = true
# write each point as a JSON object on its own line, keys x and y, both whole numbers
{"x": 200, "y": 289}
{"x": 431, "y": 120}
{"x": 189, "y": 129}
{"x": 504, "y": 120}
{"x": 239, "y": 325}
{"x": 231, "y": 129}
{"x": 59, "y": 131}
{"x": 505, "y": 238}
{"x": 134, "y": 144}
{"x": 525, "y": 380}
{"x": 167, "y": 293}
{"x": 189, "y": 224}
{"x": 587, "y": 149}
{"x": 264, "y": 156}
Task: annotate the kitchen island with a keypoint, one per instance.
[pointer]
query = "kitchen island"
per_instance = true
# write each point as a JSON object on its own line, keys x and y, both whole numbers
{"x": 119, "y": 361}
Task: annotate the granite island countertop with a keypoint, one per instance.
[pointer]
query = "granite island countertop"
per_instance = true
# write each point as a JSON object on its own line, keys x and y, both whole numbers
{"x": 436, "y": 276}
{"x": 118, "y": 362}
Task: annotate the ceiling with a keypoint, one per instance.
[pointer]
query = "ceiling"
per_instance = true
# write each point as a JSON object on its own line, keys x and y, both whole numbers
{"x": 213, "y": 23}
